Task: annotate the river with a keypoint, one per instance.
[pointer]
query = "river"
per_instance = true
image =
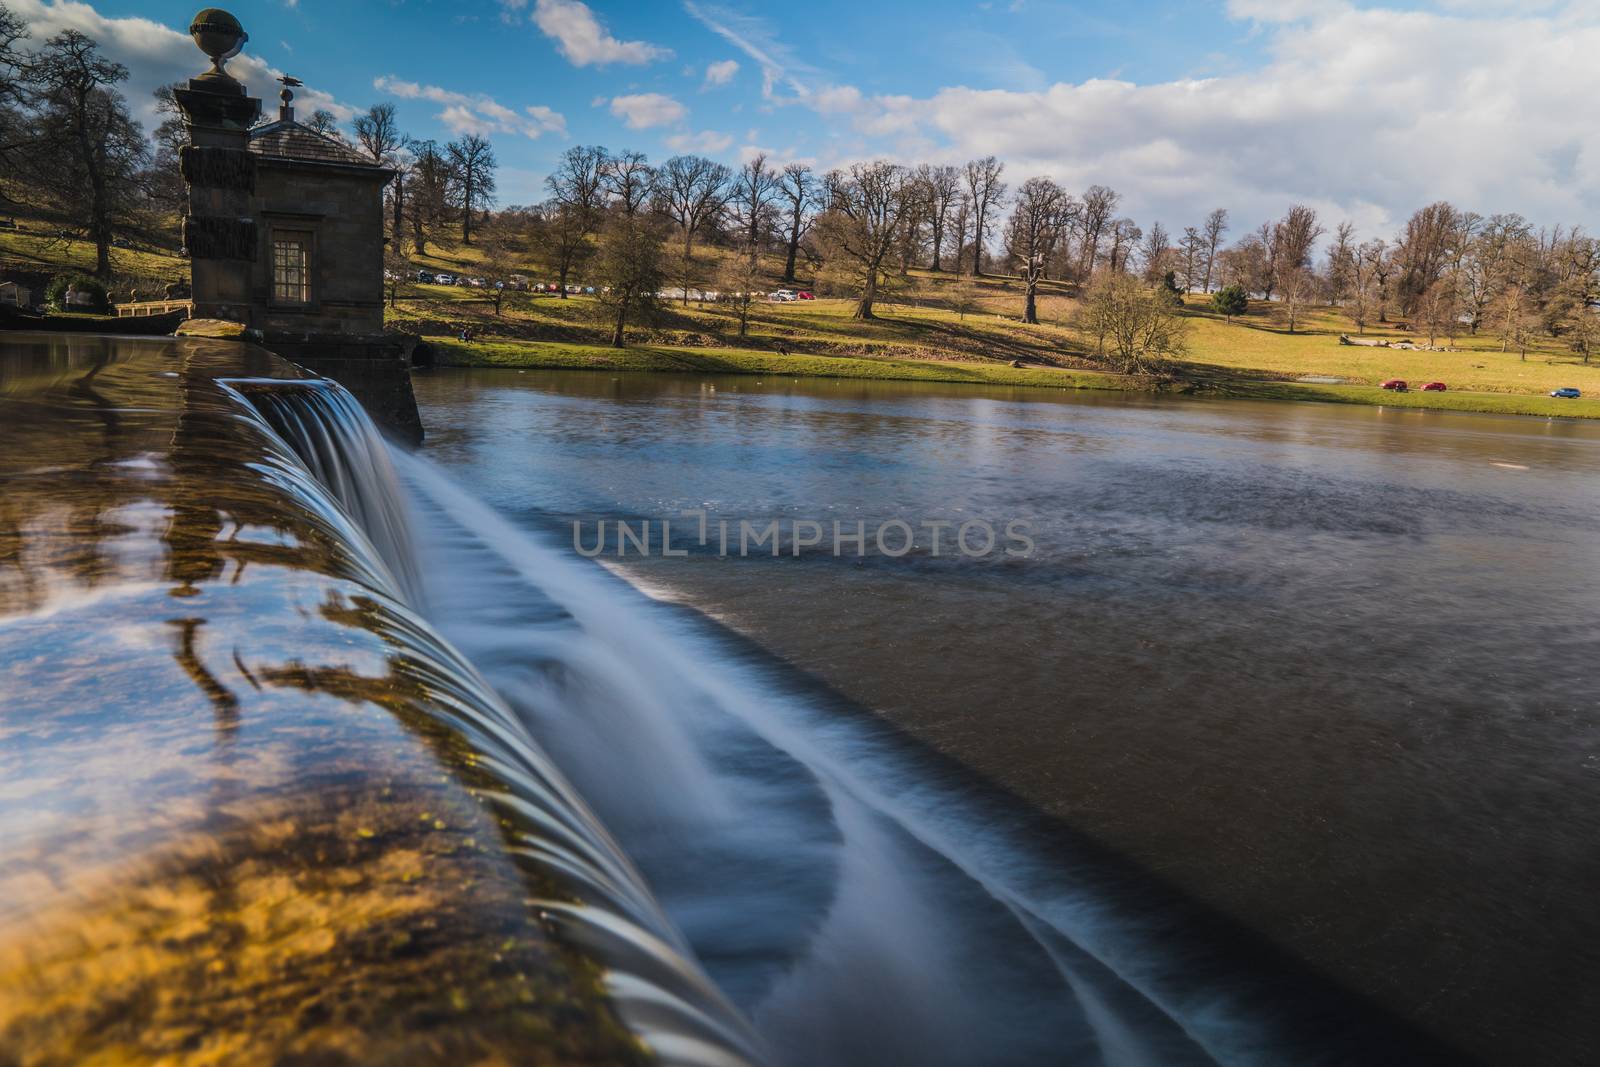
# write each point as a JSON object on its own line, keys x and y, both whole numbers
{"x": 1287, "y": 717}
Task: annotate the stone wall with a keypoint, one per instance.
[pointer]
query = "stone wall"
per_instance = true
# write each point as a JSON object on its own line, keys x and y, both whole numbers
{"x": 342, "y": 208}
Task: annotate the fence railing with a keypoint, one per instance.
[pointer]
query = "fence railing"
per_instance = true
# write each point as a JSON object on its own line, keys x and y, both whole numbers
{"x": 143, "y": 308}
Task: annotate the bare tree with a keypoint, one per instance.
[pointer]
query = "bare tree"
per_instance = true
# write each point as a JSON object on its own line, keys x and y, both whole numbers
{"x": 628, "y": 266}
{"x": 325, "y": 123}
{"x": 1424, "y": 250}
{"x": 629, "y": 179}
{"x": 1155, "y": 254}
{"x": 944, "y": 189}
{"x": 472, "y": 164}
{"x": 1138, "y": 328}
{"x": 862, "y": 224}
{"x": 798, "y": 188}
{"x": 1369, "y": 266}
{"x": 87, "y": 150}
{"x": 379, "y": 135}
{"x": 754, "y": 188}
{"x": 573, "y": 212}
{"x": 1099, "y": 203}
{"x": 430, "y": 191}
{"x": 1341, "y": 262}
{"x": 986, "y": 190}
{"x": 1216, "y": 225}
{"x": 1297, "y": 288}
{"x": 1192, "y": 254}
{"x": 1036, "y": 226}
{"x": 1125, "y": 234}
{"x": 1485, "y": 265}
{"x": 692, "y": 192}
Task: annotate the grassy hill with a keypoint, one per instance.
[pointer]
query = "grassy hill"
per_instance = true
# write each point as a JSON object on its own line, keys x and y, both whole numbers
{"x": 36, "y": 248}
{"x": 920, "y": 333}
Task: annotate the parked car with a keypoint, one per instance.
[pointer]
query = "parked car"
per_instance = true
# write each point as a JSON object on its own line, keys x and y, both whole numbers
{"x": 476, "y": 283}
{"x": 806, "y": 295}
{"x": 444, "y": 279}
{"x": 1434, "y": 387}
{"x": 1568, "y": 393}
{"x": 8, "y": 224}
{"x": 425, "y": 276}
{"x": 782, "y": 296}
{"x": 1397, "y": 384}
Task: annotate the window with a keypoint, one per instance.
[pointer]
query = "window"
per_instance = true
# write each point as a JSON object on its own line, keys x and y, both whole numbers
{"x": 291, "y": 268}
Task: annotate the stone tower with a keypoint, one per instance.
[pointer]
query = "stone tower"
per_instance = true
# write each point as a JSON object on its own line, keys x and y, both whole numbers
{"x": 285, "y": 233}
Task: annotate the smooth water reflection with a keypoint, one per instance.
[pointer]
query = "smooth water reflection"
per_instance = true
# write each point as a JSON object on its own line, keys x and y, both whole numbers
{"x": 1328, "y": 670}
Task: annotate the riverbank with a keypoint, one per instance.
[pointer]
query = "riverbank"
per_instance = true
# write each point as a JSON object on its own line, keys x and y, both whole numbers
{"x": 559, "y": 355}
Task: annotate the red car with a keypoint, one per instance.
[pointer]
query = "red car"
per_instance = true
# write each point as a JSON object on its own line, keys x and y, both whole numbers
{"x": 1433, "y": 387}
{"x": 1397, "y": 384}
{"x": 806, "y": 296}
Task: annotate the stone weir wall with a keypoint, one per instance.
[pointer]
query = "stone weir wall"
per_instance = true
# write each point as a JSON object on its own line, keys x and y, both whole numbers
{"x": 254, "y": 811}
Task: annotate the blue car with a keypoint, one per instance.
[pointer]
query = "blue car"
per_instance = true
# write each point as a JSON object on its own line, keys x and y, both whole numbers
{"x": 1568, "y": 393}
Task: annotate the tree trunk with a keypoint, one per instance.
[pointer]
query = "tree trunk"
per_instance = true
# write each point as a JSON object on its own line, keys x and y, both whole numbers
{"x": 622, "y": 319}
{"x": 1030, "y": 310}
{"x": 794, "y": 251}
{"x": 466, "y": 212}
{"x": 977, "y": 245}
{"x": 561, "y": 280}
{"x": 399, "y": 210}
{"x": 869, "y": 293}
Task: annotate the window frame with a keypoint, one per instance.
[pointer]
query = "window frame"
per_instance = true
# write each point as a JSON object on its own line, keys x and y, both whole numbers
{"x": 306, "y": 235}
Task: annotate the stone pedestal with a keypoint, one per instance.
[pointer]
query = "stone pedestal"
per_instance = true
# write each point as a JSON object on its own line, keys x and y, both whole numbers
{"x": 219, "y": 231}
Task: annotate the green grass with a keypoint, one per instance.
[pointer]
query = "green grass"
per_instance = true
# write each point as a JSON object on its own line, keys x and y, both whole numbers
{"x": 555, "y": 354}
{"x": 1487, "y": 403}
{"x": 32, "y": 250}
{"x": 918, "y": 336}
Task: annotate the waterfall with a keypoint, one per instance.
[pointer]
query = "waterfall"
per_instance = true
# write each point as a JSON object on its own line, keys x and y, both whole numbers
{"x": 337, "y": 441}
{"x": 332, "y": 450}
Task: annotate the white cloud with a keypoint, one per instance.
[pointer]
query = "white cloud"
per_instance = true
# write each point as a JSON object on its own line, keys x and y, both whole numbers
{"x": 720, "y": 73}
{"x": 158, "y": 55}
{"x": 1366, "y": 114}
{"x": 706, "y": 142}
{"x": 757, "y": 40}
{"x": 480, "y": 114}
{"x": 581, "y": 38}
{"x": 643, "y": 110}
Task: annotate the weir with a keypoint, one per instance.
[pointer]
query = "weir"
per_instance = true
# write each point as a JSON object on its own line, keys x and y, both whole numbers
{"x": 255, "y": 809}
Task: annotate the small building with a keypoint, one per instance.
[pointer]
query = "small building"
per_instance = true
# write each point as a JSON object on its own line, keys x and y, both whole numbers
{"x": 284, "y": 233}
{"x": 319, "y": 210}
{"x": 15, "y": 295}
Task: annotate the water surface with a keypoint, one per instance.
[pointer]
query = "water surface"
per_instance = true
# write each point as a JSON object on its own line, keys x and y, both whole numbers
{"x": 1324, "y": 671}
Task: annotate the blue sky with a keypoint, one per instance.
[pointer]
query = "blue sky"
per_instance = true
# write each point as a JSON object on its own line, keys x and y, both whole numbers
{"x": 1366, "y": 111}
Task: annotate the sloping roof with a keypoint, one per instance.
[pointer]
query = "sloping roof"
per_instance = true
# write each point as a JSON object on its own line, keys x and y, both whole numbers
{"x": 287, "y": 139}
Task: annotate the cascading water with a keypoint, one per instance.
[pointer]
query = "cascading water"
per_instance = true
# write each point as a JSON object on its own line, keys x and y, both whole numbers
{"x": 328, "y": 430}
{"x": 854, "y": 909}
{"x": 851, "y": 908}
{"x": 660, "y": 993}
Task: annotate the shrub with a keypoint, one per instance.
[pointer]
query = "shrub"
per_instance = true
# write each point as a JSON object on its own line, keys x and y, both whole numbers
{"x": 55, "y": 294}
{"x": 1230, "y": 301}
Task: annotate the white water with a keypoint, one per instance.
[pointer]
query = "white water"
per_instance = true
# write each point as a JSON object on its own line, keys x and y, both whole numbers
{"x": 854, "y": 909}
{"x": 331, "y": 455}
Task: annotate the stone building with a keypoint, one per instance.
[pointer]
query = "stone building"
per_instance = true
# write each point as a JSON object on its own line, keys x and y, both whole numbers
{"x": 285, "y": 233}
{"x": 318, "y": 206}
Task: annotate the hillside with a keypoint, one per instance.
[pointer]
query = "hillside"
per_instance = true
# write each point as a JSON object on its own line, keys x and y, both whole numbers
{"x": 1255, "y": 355}
{"x": 921, "y": 333}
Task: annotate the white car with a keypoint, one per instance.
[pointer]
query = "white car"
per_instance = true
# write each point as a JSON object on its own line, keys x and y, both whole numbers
{"x": 783, "y": 296}
{"x": 444, "y": 279}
